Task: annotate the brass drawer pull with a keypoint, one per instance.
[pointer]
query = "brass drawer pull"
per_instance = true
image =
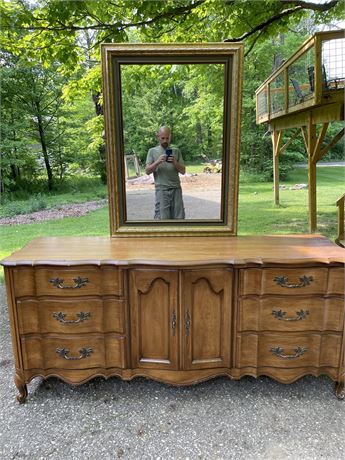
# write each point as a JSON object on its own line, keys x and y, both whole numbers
{"x": 84, "y": 353}
{"x": 284, "y": 281}
{"x": 79, "y": 282}
{"x": 82, "y": 316}
{"x": 187, "y": 323}
{"x": 278, "y": 351}
{"x": 173, "y": 322}
{"x": 280, "y": 314}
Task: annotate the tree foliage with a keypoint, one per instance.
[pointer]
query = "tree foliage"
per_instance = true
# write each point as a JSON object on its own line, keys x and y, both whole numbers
{"x": 189, "y": 100}
{"x": 62, "y": 39}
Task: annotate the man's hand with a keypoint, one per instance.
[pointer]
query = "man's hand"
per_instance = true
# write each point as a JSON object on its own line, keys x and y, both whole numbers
{"x": 153, "y": 166}
{"x": 161, "y": 159}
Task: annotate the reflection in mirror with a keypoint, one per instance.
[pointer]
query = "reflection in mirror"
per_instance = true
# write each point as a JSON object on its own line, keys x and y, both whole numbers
{"x": 189, "y": 99}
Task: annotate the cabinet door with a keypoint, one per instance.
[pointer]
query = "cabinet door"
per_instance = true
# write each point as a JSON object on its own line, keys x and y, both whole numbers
{"x": 154, "y": 316}
{"x": 206, "y": 310}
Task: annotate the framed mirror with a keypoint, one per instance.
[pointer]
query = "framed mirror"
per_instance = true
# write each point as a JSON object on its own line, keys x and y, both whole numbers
{"x": 172, "y": 128}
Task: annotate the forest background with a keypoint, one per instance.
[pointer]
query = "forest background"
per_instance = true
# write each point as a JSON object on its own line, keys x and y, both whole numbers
{"x": 51, "y": 100}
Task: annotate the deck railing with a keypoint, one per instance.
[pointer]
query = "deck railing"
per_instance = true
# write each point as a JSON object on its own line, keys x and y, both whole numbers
{"x": 314, "y": 72}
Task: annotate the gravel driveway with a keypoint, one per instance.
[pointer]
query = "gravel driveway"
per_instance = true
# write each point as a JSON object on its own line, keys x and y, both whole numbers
{"x": 219, "y": 419}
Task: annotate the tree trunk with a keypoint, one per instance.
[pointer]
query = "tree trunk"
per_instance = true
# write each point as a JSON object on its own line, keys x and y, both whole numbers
{"x": 210, "y": 142}
{"x": 44, "y": 147}
{"x": 198, "y": 133}
{"x": 15, "y": 172}
{"x": 101, "y": 149}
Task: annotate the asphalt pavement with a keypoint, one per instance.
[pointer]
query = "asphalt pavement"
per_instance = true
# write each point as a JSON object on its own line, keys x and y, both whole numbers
{"x": 219, "y": 419}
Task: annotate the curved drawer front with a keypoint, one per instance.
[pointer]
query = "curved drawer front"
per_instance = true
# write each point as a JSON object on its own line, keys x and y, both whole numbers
{"x": 287, "y": 281}
{"x": 78, "y": 352}
{"x": 70, "y": 316}
{"x": 336, "y": 281}
{"x": 67, "y": 282}
{"x": 278, "y": 350}
{"x": 291, "y": 314}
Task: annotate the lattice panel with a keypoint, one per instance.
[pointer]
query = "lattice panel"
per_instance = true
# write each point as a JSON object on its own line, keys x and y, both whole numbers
{"x": 333, "y": 61}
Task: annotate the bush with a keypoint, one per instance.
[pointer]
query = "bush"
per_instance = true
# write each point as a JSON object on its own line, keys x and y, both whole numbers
{"x": 14, "y": 208}
{"x": 35, "y": 203}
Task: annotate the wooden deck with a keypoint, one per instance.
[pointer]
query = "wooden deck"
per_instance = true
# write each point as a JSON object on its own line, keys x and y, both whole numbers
{"x": 305, "y": 94}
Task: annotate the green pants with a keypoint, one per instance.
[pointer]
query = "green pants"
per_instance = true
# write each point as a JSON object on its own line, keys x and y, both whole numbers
{"x": 169, "y": 204}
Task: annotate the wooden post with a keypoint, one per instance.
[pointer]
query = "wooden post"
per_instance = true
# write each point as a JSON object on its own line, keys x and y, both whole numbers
{"x": 276, "y": 138}
{"x": 340, "y": 237}
{"x": 312, "y": 176}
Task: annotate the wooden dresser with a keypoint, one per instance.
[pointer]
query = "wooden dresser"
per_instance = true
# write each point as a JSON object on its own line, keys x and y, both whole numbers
{"x": 178, "y": 310}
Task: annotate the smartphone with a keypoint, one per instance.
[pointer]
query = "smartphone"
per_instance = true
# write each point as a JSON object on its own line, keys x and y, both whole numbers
{"x": 168, "y": 153}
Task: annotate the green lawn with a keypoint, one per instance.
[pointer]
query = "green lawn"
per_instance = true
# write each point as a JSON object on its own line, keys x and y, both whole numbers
{"x": 257, "y": 212}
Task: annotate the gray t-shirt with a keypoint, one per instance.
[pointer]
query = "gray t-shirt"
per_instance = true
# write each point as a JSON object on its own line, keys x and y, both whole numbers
{"x": 165, "y": 174}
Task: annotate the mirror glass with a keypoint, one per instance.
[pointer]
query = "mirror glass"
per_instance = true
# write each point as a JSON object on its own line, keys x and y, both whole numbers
{"x": 189, "y": 99}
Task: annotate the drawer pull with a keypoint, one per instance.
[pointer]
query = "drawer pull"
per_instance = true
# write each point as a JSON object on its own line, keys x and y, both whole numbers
{"x": 173, "y": 322}
{"x": 280, "y": 314}
{"x": 82, "y": 316}
{"x": 79, "y": 282}
{"x": 284, "y": 281}
{"x": 187, "y": 323}
{"x": 278, "y": 351}
{"x": 84, "y": 353}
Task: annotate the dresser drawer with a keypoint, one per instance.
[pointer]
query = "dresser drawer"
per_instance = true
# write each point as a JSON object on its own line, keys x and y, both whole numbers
{"x": 287, "y": 281}
{"x": 68, "y": 281}
{"x": 293, "y": 351}
{"x": 80, "y": 352}
{"x": 290, "y": 314}
{"x": 71, "y": 316}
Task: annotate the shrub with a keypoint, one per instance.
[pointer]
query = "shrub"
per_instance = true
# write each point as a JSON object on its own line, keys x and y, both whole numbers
{"x": 35, "y": 203}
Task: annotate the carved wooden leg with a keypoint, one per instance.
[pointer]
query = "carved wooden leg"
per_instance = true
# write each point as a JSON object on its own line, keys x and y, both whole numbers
{"x": 22, "y": 388}
{"x": 340, "y": 390}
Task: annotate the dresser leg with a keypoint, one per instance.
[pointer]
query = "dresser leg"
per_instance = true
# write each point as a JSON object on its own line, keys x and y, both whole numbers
{"x": 340, "y": 390}
{"x": 22, "y": 388}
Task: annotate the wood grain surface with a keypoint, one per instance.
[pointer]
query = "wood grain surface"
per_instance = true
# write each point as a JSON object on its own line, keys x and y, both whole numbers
{"x": 178, "y": 250}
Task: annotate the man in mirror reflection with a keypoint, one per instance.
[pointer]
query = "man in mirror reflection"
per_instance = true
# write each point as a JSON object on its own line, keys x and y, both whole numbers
{"x": 166, "y": 163}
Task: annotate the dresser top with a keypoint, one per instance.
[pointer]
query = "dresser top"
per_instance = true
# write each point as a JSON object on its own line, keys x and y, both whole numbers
{"x": 178, "y": 251}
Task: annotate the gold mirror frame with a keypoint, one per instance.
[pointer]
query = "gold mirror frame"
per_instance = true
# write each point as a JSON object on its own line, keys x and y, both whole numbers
{"x": 229, "y": 54}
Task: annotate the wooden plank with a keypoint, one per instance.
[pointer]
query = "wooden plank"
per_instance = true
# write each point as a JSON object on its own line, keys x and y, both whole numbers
{"x": 330, "y": 35}
{"x": 340, "y": 237}
{"x": 305, "y": 137}
{"x": 276, "y": 139}
{"x": 285, "y": 146}
{"x": 328, "y": 113}
{"x": 286, "y": 90}
{"x": 318, "y": 72}
{"x": 290, "y": 121}
{"x": 335, "y": 139}
{"x": 320, "y": 139}
{"x": 322, "y": 114}
{"x": 311, "y": 176}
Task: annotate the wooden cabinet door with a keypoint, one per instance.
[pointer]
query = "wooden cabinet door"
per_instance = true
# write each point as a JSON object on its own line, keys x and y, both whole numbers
{"x": 154, "y": 318}
{"x": 206, "y": 307}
